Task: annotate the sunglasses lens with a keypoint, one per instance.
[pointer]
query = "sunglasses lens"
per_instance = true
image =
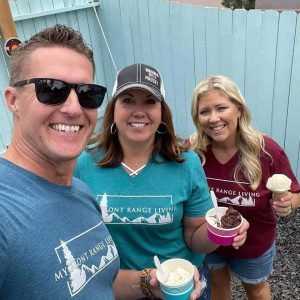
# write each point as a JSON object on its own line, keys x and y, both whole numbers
{"x": 91, "y": 95}
{"x": 51, "y": 91}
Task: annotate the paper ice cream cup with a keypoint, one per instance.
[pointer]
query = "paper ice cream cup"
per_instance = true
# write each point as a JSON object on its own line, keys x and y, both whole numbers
{"x": 181, "y": 289}
{"x": 216, "y": 233}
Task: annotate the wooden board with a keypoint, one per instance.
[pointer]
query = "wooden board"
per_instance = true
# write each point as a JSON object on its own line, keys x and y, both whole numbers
{"x": 7, "y": 25}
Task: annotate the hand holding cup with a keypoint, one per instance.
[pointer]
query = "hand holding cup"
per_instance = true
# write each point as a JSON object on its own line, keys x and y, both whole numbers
{"x": 180, "y": 282}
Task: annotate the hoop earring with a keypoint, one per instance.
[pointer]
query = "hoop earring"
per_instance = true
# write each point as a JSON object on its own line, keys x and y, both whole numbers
{"x": 163, "y": 128}
{"x": 113, "y": 128}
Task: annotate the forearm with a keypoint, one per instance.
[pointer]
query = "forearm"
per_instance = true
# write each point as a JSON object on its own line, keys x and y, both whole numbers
{"x": 195, "y": 234}
{"x": 199, "y": 241}
{"x": 127, "y": 285}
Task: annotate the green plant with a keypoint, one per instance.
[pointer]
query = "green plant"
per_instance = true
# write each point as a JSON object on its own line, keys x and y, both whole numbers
{"x": 247, "y": 4}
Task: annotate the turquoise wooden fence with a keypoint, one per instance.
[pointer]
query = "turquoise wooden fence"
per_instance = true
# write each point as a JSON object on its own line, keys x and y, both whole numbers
{"x": 259, "y": 50}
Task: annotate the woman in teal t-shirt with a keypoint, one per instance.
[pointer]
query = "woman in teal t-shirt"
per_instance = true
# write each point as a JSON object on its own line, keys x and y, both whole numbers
{"x": 153, "y": 194}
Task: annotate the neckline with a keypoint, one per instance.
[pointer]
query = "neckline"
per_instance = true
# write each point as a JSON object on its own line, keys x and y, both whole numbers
{"x": 230, "y": 160}
{"x": 133, "y": 172}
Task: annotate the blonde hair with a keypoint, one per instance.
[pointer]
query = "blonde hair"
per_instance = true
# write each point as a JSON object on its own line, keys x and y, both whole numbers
{"x": 249, "y": 141}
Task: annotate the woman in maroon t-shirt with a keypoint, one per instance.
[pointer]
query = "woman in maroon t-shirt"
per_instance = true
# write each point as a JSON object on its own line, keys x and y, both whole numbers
{"x": 238, "y": 160}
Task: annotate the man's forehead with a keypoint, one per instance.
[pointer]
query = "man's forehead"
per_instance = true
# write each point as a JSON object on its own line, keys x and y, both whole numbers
{"x": 50, "y": 61}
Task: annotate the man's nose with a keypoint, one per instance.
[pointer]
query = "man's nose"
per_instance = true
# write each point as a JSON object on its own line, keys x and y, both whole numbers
{"x": 72, "y": 105}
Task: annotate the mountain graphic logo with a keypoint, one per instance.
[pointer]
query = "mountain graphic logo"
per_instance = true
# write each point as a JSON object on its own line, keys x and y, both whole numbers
{"x": 79, "y": 276}
{"x": 114, "y": 218}
{"x": 239, "y": 201}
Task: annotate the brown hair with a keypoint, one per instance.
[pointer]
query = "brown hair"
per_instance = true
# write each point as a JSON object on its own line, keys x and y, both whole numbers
{"x": 166, "y": 144}
{"x": 58, "y": 35}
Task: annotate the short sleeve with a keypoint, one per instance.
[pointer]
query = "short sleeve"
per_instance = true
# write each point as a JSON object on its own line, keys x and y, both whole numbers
{"x": 199, "y": 201}
{"x": 4, "y": 253}
{"x": 280, "y": 163}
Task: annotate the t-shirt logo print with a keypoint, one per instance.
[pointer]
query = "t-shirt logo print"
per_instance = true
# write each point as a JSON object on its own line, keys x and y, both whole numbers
{"x": 77, "y": 276}
{"x": 78, "y": 269}
{"x": 118, "y": 209}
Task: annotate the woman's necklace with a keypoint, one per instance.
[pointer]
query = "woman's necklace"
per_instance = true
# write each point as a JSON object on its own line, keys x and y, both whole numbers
{"x": 135, "y": 163}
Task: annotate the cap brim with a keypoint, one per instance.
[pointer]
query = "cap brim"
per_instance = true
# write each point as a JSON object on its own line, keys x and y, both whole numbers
{"x": 159, "y": 97}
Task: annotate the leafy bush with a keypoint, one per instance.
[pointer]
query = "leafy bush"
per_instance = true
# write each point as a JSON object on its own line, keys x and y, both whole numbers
{"x": 247, "y": 4}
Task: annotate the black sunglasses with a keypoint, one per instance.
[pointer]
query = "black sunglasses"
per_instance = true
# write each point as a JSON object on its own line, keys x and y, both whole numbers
{"x": 53, "y": 91}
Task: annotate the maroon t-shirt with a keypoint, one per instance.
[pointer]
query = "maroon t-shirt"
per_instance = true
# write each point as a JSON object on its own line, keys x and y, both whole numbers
{"x": 255, "y": 206}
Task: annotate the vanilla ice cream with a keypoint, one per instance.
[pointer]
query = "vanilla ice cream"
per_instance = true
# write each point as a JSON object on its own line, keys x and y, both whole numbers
{"x": 178, "y": 276}
{"x": 279, "y": 183}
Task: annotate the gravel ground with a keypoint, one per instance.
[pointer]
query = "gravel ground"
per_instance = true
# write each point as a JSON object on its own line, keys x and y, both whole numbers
{"x": 285, "y": 279}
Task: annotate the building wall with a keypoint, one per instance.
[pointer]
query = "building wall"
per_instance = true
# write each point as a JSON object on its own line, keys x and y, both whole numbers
{"x": 205, "y": 3}
{"x": 278, "y": 4}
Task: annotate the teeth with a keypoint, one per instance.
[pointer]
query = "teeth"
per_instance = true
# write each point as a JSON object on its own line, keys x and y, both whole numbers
{"x": 137, "y": 124}
{"x": 66, "y": 128}
{"x": 216, "y": 128}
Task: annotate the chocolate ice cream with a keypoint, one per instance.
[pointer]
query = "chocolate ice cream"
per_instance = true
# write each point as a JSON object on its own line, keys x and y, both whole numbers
{"x": 231, "y": 219}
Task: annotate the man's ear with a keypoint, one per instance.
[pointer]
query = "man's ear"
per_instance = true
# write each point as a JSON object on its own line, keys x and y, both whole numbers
{"x": 11, "y": 98}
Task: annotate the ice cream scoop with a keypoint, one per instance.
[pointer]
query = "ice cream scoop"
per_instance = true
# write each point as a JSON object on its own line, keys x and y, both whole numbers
{"x": 231, "y": 219}
{"x": 279, "y": 183}
{"x": 178, "y": 276}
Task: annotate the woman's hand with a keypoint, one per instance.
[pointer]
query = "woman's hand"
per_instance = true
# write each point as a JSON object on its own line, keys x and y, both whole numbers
{"x": 155, "y": 289}
{"x": 283, "y": 205}
{"x": 197, "y": 288}
{"x": 240, "y": 239}
{"x": 154, "y": 285}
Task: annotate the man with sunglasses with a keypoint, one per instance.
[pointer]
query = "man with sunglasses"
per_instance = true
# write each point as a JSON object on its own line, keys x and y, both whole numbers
{"x": 53, "y": 242}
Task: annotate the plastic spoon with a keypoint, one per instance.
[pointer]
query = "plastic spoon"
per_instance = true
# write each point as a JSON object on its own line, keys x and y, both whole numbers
{"x": 164, "y": 275}
{"x": 215, "y": 203}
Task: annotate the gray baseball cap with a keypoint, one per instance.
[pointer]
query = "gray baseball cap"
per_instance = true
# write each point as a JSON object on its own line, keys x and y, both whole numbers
{"x": 140, "y": 76}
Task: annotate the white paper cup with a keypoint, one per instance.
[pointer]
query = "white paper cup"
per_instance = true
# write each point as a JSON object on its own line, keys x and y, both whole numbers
{"x": 183, "y": 289}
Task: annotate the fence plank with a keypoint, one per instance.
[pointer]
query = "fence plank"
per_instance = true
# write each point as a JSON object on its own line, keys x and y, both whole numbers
{"x": 126, "y": 31}
{"x": 226, "y": 42}
{"x": 162, "y": 51}
{"x": 285, "y": 47}
{"x": 101, "y": 54}
{"x": 267, "y": 56}
{"x": 292, "y": 139}
{"x": 239, "y": 47}
{"x": 212, "y": 43}
{"x": 146, "y": 43}
{"x": 136, "y": 30}
{"x": 5, "y": 116}
{"x": 178, "y": 63}
{"x": 258, "y": 50}
{"x": 114, "y": 34}
{"x": 252, "y": 65}
{"x": 188, "y": 65}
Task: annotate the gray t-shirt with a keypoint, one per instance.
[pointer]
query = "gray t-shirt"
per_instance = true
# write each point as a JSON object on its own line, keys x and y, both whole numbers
{"x": 53, "y": 242}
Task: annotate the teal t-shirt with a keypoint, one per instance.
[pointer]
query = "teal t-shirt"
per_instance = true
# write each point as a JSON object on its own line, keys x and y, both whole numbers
{"x": 144, "y": 214}
{"x": 53, "y": 241}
